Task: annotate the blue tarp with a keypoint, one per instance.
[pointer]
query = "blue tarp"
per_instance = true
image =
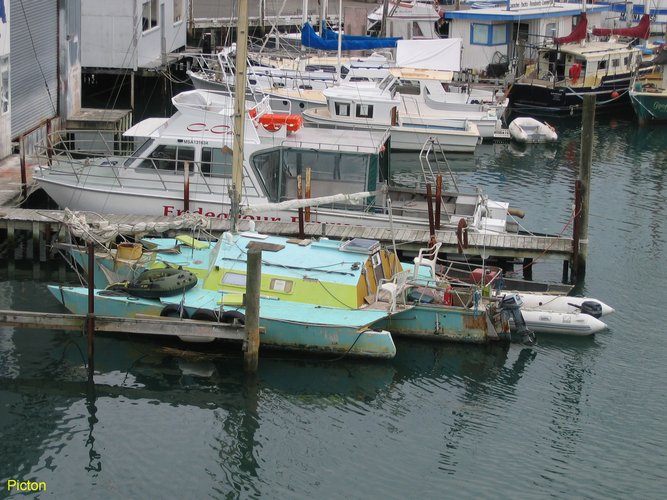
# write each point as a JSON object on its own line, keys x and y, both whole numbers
{"x": 349, "y": 42}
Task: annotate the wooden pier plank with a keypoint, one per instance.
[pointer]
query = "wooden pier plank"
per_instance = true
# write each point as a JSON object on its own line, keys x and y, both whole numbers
{"x": 144, "y": 326}
{"x": 498, "y": 245}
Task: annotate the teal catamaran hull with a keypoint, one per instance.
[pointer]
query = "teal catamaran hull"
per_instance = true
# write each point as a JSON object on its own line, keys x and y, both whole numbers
{"x": 331, "y": 330}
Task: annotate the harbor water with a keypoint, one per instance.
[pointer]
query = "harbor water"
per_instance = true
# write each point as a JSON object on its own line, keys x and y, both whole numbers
{"x": 566, "y": 418}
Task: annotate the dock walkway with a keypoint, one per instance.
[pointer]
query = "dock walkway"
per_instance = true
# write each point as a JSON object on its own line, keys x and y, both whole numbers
{"x": 508, "y": 245}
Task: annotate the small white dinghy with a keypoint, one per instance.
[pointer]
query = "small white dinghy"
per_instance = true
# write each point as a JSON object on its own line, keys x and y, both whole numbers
{"x": 565, "y": 304}
{"x": 578, "y": 324}
{"x": 527, "y": 130}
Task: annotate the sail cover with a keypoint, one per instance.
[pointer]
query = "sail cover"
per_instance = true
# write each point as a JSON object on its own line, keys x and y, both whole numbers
{"x": 577, "y": 34}
{"x": 349, "y": 42}
{"x": 642, "y": 30}
{"x": 439, "y": 54}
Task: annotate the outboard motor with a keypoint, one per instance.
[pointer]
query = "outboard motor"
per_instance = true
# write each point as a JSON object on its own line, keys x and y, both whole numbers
{"x": 591, "y": 308}
{"x": 510, "y": 306}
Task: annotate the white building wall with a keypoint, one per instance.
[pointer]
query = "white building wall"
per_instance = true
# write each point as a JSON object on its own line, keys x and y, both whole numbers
{"x": 113, "y": 36}
{"x": 5, "y": 101}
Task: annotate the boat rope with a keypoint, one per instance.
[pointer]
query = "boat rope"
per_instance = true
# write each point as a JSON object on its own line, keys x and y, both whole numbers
{"x": 101, "y": 231}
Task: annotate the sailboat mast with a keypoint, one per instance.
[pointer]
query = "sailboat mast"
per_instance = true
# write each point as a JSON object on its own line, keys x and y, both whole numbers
{"x": 239, "y": 110}
{"x": 340, "y": 37}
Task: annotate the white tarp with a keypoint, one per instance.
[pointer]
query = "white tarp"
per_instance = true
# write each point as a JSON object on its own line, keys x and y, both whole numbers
{"x": 441, "y": 54}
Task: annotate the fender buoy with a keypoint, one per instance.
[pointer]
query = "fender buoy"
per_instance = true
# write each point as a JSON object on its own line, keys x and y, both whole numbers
{"x": 156, "y": 283}
{"x": 575, "y": 71}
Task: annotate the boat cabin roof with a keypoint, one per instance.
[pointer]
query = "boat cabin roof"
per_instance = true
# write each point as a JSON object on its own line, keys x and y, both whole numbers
{"x": 206, "y": 118}
{"x": 323, "y": 260}
{"x": 592, "y": 49}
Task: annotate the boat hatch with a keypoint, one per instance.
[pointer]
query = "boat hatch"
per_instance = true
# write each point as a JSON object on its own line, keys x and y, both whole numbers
{"x": 361, "y": 245}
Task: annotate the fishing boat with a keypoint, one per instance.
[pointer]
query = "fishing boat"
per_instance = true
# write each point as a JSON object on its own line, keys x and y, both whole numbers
{"x": 382, "y": 107}
{"x": 573, "y": 66}
{"x": 648, "y": 92}
{"x": 528, "y": 130}
{"x": 183, "y": 164}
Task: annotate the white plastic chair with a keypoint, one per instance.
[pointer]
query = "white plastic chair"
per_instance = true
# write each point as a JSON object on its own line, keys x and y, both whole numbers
{"x": 427, "y": 257}
{"x": 394, "y": 287}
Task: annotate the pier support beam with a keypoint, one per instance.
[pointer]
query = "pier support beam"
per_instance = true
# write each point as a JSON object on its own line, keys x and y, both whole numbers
{"x": 582, "y": 191}
{"x": 253, "y": 285}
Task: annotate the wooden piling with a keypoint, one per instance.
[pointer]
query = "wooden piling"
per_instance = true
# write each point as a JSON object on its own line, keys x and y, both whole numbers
{"x": 299, "y": 195}
{"x": 309, "y": 172}
{"x": 438, "y": 200}
{"x": 90, "y": 320}
{"x": 253, "y": 286}
{"x": 429, "y": 203}
{"x": 580, "y": 236}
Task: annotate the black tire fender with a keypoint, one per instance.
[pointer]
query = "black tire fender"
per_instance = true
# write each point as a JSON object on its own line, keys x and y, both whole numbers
{"x": 174, "y": 311}
{"x": 204, "y": 315}
{"x": 232, "y": 317}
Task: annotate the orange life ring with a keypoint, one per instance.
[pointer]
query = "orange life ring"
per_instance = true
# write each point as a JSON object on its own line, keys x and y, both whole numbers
{"x": 575, "y": 71}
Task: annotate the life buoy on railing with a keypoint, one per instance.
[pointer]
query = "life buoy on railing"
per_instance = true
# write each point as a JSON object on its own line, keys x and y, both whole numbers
{"x": 575, "y": 71}
{"x": 274, "y": 122}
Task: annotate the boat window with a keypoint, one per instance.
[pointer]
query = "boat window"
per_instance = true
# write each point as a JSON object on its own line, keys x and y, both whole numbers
{"x": 268, "y": 168}
{"x": 364, "y": 111}
{"x": 342, "y": 108}
{"x": 385, "y": 82}
{"x": 168, "y": 158}
{"x": 279, "y": 285}
{"x": 139, "y": 152}
{"x": 602, "y": 64}
{"x": 216, "y": 162}
{"x": 332, "y": 172}
{"x": 235, "y": 279}
{"x": 416, "y": 30}
{"x": 615, "y": 63}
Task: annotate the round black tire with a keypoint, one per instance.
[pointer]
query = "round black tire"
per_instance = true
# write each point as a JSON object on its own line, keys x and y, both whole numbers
{"x": 174, "y": 311}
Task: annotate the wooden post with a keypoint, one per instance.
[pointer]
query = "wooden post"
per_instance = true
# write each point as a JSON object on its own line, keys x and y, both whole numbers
{"x": 90, "y": 320}
{"x": 429, "y": 203}
{"x": 186, "y": 186}
{"x": 252, "y": 291}
{"x": 309, "y": 172}
{"x": 580, "y": 236}
{"x": 438, "y": 200}
{"x": 299, "y": 195}
{"x": 528, "y": 268}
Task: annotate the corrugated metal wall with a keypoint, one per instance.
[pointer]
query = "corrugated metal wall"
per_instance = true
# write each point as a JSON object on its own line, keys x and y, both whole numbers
{"x": 34, "y": 63}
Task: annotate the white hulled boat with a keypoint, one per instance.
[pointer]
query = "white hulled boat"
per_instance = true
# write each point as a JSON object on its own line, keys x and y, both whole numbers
{"x": 183, "y": 163}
